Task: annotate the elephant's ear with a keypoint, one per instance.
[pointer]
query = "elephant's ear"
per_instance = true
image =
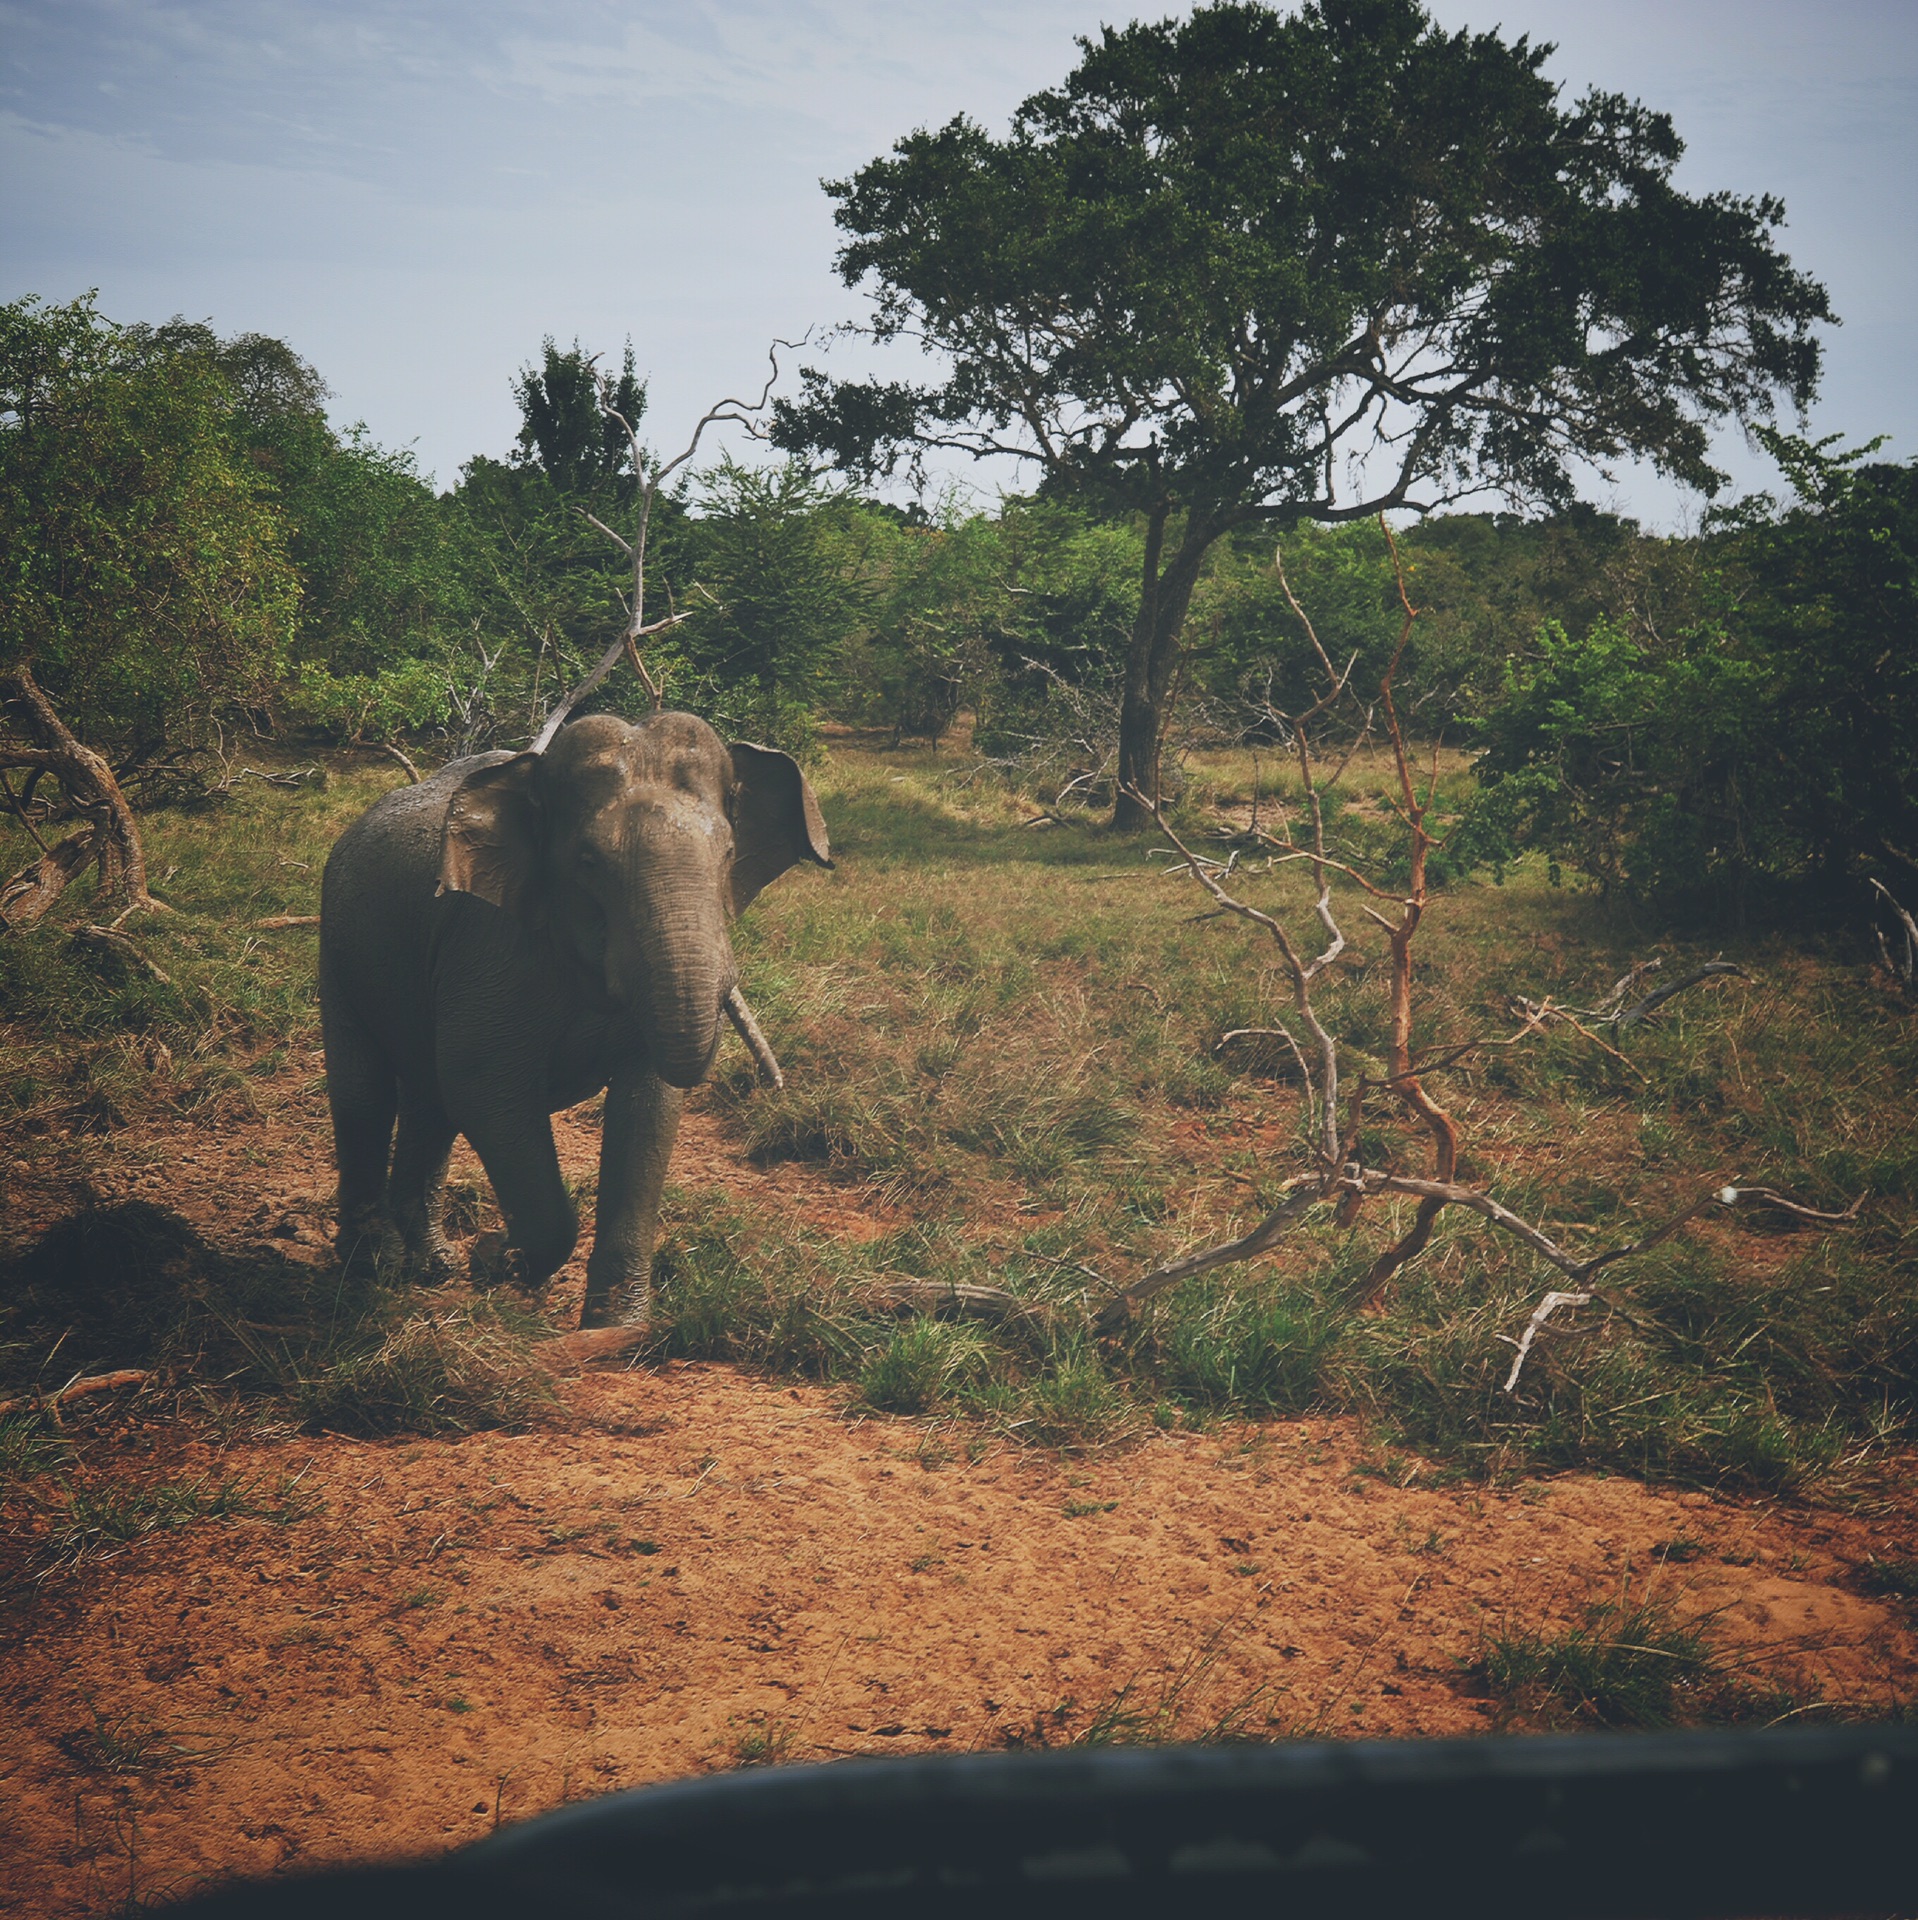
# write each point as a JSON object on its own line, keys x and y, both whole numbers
{"x": 491, "y": 843}
{"x": 776, "y": 820}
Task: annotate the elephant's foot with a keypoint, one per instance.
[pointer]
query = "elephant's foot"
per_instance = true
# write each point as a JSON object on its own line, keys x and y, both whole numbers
{"x": 366, "y": 1245}
{"x": 496, "y": 1262}
{"x": 619, "y": 1305}
{"x": 429, "y": 1259}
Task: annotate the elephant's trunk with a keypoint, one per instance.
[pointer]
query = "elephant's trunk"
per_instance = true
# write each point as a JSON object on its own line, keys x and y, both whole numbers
{"x": 675, "y": 980}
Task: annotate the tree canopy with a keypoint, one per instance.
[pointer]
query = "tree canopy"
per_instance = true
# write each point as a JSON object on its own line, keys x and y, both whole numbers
{"x": 564, "y": 429}
{"x": 1252, "y": 266}
{"x": 146, "y": 577}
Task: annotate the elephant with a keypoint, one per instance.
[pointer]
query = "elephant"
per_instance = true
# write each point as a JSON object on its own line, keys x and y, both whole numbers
{"x": 520, "y": 931}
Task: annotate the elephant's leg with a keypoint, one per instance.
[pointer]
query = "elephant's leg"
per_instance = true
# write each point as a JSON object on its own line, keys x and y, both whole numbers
{"x": 363, "y": 1092}
{"x": 636, "y": 1142}
{"x": 415, "y": 1192}
{"x": 516, "y": 1148}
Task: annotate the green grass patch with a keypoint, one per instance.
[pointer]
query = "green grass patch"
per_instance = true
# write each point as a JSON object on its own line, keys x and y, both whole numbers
{"x": 434, "y": 1369}
{"x": 1630, "y": 1663}
{"x": 93, "y": 1521}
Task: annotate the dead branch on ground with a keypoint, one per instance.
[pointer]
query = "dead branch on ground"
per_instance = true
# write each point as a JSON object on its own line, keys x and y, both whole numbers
{"x": 78, "y": 1388}
{"x": 111, "y": 839}
{"x": 954, "y": 1299}
{"x": 111, "y": 940}
{"x": 1618, "y": 1010}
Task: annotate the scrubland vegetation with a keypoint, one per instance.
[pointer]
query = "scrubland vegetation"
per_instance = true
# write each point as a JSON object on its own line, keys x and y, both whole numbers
{"x": 1033, "y": 1056}
{"x": 1005, "y": 1026}
{"x": 1003, "y": 1045}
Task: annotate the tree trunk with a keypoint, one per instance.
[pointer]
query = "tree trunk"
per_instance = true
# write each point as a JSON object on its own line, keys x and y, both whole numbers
{"x": 30, "y": 894}
{"x": 113, "y": 839}
{"x": 1152, "y": 661}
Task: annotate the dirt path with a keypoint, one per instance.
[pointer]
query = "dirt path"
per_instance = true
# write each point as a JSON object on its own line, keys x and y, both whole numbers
{"x": 700, "y": 1568}
{"x": 713, "y": 1568}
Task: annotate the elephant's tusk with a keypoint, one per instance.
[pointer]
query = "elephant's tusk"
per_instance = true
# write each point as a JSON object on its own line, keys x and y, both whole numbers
{"x": 741, "y": 1016}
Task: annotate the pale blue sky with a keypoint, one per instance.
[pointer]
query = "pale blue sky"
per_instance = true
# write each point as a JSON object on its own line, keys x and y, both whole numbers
{"x": 414, "y": 192}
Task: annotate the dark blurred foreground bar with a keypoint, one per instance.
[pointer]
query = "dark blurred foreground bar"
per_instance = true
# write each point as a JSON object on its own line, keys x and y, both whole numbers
{"x": 1785, "y": 1822}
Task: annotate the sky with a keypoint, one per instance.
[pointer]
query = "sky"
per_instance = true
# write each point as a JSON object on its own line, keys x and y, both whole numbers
{"x": 415, "y": 192}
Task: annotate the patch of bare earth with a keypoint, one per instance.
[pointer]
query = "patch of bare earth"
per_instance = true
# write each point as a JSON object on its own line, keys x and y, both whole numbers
{"x": 696, "y": 1567}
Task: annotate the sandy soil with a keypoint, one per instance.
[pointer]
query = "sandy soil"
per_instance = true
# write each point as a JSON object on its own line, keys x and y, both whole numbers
{"x": 698, "y": 1568}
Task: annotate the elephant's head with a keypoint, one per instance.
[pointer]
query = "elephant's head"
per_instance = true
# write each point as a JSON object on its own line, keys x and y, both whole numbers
{"x": 635, "y": 845}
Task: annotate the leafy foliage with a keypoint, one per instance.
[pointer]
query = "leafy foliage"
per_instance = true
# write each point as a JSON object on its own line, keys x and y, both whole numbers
{"x": 146, "y": 580}
{"x": 1235, "y": 254}
{"x": 565, "y": 431}
{"x": 1768, "y": 741}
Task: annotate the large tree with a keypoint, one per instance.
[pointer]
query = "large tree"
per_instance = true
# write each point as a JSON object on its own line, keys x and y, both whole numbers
{"x": 1262, "y": 267}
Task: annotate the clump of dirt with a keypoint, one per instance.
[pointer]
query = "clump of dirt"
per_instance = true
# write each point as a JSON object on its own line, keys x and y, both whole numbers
{"x": 128, "y": 1282}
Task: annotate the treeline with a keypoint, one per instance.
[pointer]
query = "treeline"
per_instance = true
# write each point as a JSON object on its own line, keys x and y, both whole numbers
{"x": 1721, "y": 721}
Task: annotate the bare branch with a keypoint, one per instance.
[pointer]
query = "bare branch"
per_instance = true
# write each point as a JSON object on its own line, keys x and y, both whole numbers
{"x": 957, "y": 1298}
{"x": 1301, "y": 973}
{"x": 393, "y": 753}
{"x": 78, "y": 1389}
{"x": 1535, "y": 1326}
{"x": 20, "y": 812}
{"x": 31, "y": 893}
{"x": 559, "y": 715}
{"x": 727, "y": 412}
{"x": 1711, "y": 970}
{"x": 1447, "y": 1193}
{"x": 619, "y": 540}
{"x": 1306, "y": 1195}
{"x": 112, "y": 940}
{"x": 1905, "y": 969}
{"x": 1311, "y": 632}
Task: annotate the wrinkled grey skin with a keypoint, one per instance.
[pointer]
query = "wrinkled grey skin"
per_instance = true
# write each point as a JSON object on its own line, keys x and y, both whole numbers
{"x": 520, "y": 931}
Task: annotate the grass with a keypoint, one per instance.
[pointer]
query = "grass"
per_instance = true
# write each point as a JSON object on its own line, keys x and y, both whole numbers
{"x": 762, "y": 1742}
{"x": 361, "y": 1354}
{"x": 1004, "y": 1045}
{"x": 94, "y": 1039}
{"x": 120, "y": 1743}
{"x": 446, "y": 1369}
{"x": 1185, "y": 1705}
{"x": 93, "y": 1521}
{"x": 29, "y": 1447}
{"x": 1630, "y": 1663}
{"x": 1891, "y": 1579}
